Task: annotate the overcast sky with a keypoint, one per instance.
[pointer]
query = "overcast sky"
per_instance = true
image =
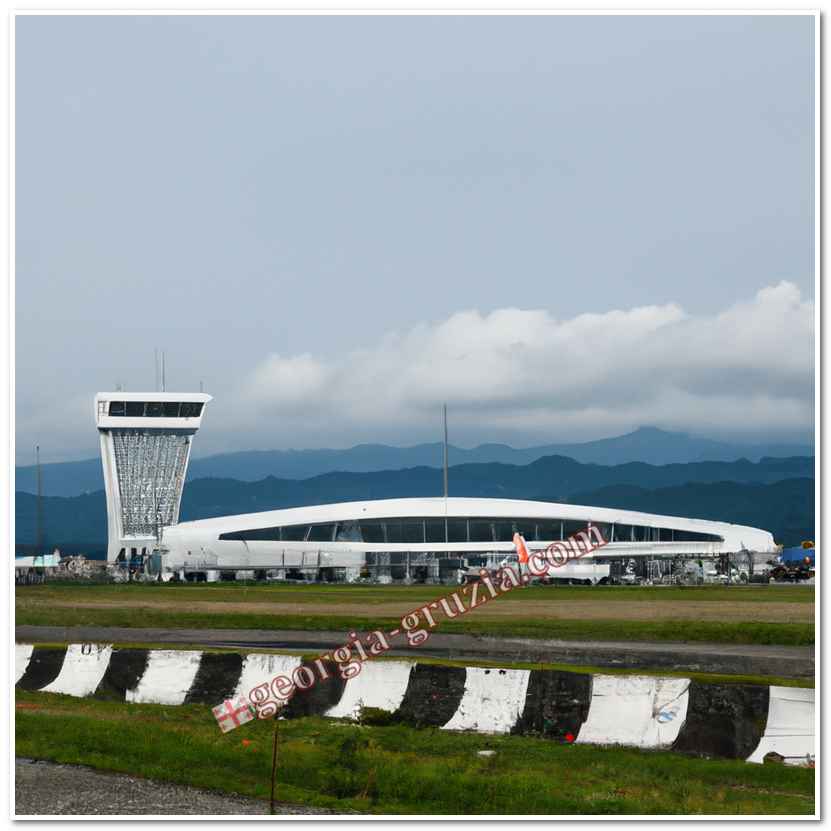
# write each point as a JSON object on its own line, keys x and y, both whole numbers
{"x": 566, "y": 227}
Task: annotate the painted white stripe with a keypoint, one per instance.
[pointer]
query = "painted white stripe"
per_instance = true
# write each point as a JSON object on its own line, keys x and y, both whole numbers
{"x": 22, "y": 655}
{"x": 492, "y": 702}
{"x": 381, "y": 684}
{"x": 260, "y": 669}
{"x": 83, "y": 668}
{"x": 635, "y": 710}
{"x": 790, "y": 726}
{"x": 168, "y": 677}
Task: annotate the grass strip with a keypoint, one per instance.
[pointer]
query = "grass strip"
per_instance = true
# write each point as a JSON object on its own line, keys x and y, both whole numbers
{"x": 373, "y": 594}
{"x": 397, "y": 769}
{"x": 730, "y": 632}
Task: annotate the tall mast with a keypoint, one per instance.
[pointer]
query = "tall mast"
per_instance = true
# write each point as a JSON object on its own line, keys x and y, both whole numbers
{"x": 39, "y": 512}
{"x": 444, "y": 417}
{"x": 444, "y": 410}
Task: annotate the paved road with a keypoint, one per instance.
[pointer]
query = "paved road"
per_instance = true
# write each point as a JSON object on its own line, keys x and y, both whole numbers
{"x": 44, "y": 788}
{"x": 733, "y": 659}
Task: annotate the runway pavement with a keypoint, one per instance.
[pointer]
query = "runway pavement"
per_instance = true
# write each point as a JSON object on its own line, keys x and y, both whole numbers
{"x": 732, "y": 659}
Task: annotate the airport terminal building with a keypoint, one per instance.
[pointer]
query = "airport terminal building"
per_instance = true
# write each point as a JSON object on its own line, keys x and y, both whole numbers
{"x": 146, "y": 440}
{"x": 434, "y": 538}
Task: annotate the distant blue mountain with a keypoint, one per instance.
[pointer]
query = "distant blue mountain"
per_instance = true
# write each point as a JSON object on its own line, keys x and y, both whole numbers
{"x": 647, "y": 444}
{"x": 739, "y": 491}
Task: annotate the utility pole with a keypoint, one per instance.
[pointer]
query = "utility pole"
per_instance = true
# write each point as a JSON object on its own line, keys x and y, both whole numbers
{"x": 39, "y": 513}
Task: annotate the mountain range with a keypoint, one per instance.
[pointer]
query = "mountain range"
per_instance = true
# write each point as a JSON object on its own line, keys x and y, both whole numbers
{"x": 740, "y": 491}
{"x": 647, "y": 444}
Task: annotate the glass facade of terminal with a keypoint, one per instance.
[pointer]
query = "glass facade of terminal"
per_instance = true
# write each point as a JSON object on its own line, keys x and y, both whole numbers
{"x": 418, "y": 530}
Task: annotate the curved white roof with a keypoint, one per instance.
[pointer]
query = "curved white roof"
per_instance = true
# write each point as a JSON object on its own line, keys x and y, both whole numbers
{"x": 736, "y": 537}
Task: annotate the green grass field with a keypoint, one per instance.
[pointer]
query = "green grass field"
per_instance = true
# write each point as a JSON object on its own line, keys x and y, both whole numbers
{"x": 378, "y": 594}
{"x": 396, "y": 769}
{"x": 720, "y": 614}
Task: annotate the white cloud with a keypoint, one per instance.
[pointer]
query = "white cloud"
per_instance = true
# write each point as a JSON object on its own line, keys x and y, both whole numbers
{"x": 513, "y": 372}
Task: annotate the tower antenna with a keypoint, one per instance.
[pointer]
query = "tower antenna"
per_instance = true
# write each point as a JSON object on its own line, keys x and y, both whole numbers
{"x": 163, "y": 370}
{"x": 156, "y": 367}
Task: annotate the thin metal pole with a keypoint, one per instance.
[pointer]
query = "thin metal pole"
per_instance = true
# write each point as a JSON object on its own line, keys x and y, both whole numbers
{"x": 444, "y": 410}
{"x": 163, "y": 379}
{"x": 39, "y": 514}
{"x": 274, "y": 762}
{"x": 444, "y": 418}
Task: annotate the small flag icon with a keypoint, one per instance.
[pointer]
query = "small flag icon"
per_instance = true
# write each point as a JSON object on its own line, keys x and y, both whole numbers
{"x": 231, "y": 714}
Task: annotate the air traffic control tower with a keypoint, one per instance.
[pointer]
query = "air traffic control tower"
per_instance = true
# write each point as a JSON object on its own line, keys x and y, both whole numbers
{"x": 145, "y": 447}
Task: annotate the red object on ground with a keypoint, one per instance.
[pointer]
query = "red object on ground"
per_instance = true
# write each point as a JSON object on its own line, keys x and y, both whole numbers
{"x": 569, "y": 737}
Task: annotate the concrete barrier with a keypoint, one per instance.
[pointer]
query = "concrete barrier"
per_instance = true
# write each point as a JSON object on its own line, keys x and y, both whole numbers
{"x": 22, "y": 654}
{"x": 789, "y": 731}
{"x": 492, "y": 702}
{"x": 739, "y": 721}
{"x": 83, "y": 668}
{"x": 42, "y": 669}
{"x": 381, "y": 684}
{"x": 640, "y": 711}
{"x": 556, "y": 704}
{"x": 723, "y": 719}
{"x": 260, "y": 669}
{"x": 168, "y": 677}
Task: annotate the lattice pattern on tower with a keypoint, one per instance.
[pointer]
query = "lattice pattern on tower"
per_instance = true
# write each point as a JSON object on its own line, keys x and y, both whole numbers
{"x": 151, "y": 471}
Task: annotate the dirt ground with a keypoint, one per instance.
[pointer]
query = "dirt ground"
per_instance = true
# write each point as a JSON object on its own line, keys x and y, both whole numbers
{"x": 591, "y": 609}
{"x": 43, "y": 788}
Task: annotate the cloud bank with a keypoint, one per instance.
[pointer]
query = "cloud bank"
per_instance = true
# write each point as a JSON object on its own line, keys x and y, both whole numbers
{"x": 746, "y": 370}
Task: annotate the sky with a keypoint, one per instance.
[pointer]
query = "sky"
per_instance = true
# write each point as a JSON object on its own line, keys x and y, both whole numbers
{"x": 566, "y": 227}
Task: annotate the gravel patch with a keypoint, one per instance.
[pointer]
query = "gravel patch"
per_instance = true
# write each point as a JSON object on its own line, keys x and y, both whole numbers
{"x": 45, "y": 788}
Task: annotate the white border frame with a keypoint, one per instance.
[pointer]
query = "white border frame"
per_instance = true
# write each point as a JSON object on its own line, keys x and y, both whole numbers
{"x": 7, "y": 351}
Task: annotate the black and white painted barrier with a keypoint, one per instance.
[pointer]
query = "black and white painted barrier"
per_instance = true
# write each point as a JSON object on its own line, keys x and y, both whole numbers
{"x": 739, "y": 721}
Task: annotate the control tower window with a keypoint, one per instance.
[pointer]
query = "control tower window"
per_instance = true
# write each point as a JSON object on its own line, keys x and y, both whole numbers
{"x": 117, "y": 408}
{"x": 190, "y": 409}
{"x": 135, "y": 408}
{"x": 154, "y": 409}
{"x": 171, "y": 409}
